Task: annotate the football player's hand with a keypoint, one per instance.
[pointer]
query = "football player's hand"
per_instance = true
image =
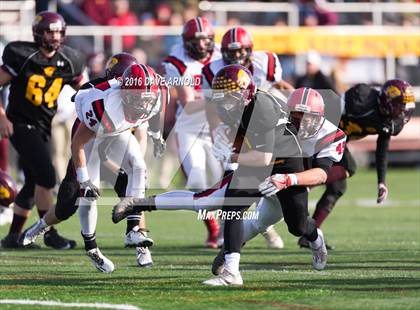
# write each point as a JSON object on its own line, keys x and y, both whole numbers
{"x": 6, "y": 127}
{"x": 159, "y": 147}
{"x": 89, "y": 190}
{"x": 382, "y": 192}
{"x": 222, "y": 150}
{"x": 276, "y": 183}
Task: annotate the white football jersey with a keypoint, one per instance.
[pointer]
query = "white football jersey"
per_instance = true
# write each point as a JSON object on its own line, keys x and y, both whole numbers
{"x": 328, "y": 142}
{"x": 266, "y": 70}
{"x": 101, "y": 110}
{"x": 182, "y": 70}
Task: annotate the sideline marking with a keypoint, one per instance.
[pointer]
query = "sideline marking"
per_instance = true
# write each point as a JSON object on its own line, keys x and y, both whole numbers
{"x": 67, "y": 305}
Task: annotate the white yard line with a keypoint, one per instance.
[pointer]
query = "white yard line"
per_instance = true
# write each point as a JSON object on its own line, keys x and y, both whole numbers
{"x": 51, "y": 303}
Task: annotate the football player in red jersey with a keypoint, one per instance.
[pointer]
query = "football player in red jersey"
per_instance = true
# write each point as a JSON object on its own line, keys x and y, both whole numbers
{"x": 367, "y": 111}
{"x": 106, "y": 114}
{"x": 183, "y": 70}
{"x": 36, "y": 71}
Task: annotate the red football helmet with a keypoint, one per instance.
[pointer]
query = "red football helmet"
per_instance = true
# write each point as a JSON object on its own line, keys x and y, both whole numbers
{"x": 47, "y": 22}
{"x": 117, "y": 64}
{"x": 237, "y": 47}
{"x": 233, "y": 89}
{"x": 8, "y": 189}
{"x": 307, "y": 111}
{"x": 198, "y": 38}
{"x": 139, "y": 91}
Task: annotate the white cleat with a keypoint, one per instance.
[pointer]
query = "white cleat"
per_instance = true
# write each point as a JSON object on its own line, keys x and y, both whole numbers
{"x": 100, "y": 262}
{"x": 6, "y": 215}
{"x": 225, "y": 278}
{"x": 137, "y": 238}
{"x": 319, "y": 255}
{"x": 38, "y": 229}
{"x": 273, "y": 239}
{"x": 144, "y": 257}
{"x": 220, "y": 242}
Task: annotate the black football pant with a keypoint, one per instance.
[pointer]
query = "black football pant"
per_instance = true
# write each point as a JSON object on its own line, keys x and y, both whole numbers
{"x": 34, "y": 150}
{"x": 294, "y": 202}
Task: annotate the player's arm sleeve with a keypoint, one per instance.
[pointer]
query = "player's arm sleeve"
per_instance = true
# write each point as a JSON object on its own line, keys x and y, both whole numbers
{"x": 206, "y": 81}
{"x": 87, "y": 111}
{"x": 332, "y": 146}
{"x": 11, "y": 61}
{"x": 171, "y": 72}
{"x": 324, "y": 163}
{"x": 79, "y": 69}
{"x": 381, "y": 155}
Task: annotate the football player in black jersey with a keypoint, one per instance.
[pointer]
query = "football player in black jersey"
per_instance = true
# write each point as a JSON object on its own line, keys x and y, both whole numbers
{"x": 36, "y": 71}
{"x": 262, "y": 146}
{"x": 367, "y": 111}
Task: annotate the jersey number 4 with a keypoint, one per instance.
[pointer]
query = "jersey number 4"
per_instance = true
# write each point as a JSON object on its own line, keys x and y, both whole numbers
{"x": 35, "y": 90}
{"x": 340, "y": 148}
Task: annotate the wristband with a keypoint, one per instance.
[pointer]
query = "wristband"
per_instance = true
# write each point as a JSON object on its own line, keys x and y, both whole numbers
{"x": 155, "y": 135}
{"x": 82, "y": 174}
{"x": 292, "y": 179}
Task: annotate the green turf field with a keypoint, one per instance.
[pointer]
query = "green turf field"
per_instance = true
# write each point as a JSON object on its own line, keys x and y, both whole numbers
{"x": 376, "y": 264}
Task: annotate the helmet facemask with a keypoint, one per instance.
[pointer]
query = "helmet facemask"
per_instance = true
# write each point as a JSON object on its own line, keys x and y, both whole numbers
{"x": 198, "y": 50}
{"x": 307, "y": 124}
{"x": 230, "y": 105}
{"x": 236, "y": 54}
{"x": 138, "y": 104}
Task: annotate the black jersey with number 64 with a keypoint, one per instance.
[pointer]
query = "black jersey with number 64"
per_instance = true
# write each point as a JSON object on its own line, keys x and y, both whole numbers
{"x": 37, "y": 81}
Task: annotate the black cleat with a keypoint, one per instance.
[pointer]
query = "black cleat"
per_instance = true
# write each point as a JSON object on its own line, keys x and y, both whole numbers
{"x": 131, "y": 206}
{"x": 11, "y": 241}
{"x": 218, "y": 262}
{"x": 54, "y": 240}
{"x": 304, "y": 243}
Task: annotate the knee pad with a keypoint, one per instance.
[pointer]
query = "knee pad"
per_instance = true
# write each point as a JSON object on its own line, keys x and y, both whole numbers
{"x": 66, "y": 199}
{"x": 47, "y": 179}
{"x": 121, "y": 183}
{"x": 297, "y": 231}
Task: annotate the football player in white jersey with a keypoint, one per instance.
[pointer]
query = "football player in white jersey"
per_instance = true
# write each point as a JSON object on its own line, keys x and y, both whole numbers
{"x": 183, "y": 70}
{"x": 107, "y": 112}
{"x": 237, "y": 48}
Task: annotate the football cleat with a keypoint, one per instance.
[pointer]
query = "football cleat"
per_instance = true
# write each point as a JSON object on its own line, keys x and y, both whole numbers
{"x": 29, "y": 236}
{"x": 54, "y": 240}
{"x": 144, "y": 257}
{"x": 11, "y": 241}
{"x": 273, "y": 239}
{"x": 137, "y": 238}
{"x": 319, "y": 255}
{"x": 100, "y": 262}
{"x": 218, "y": 263}
{"x": 220, "y": 242}
{"x": 225, "y": 278}
{"x": 6, "y": 216}
{"x": 131, "y": 206}
{"x": 303, "y": 242}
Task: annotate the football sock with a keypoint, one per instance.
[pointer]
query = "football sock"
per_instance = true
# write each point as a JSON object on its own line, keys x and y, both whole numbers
{"x": 232, "y": 262}
{"x": 17, "y": 224}
{"x": 320, "y": 215}
{"x": 317, "y": 243}
{"x": 212, "y": 225}
{"x": 88, "y": 215}
{"x": 90, "y": 241}
{"x": 132, "y": 221}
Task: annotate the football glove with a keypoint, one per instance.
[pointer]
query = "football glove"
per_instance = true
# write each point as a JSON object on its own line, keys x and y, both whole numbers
{"x": 382, "y": 192}
{"x": 275, "y": 183}
{"x": 222, "y": 150}
{"x": 89, "y": 190}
